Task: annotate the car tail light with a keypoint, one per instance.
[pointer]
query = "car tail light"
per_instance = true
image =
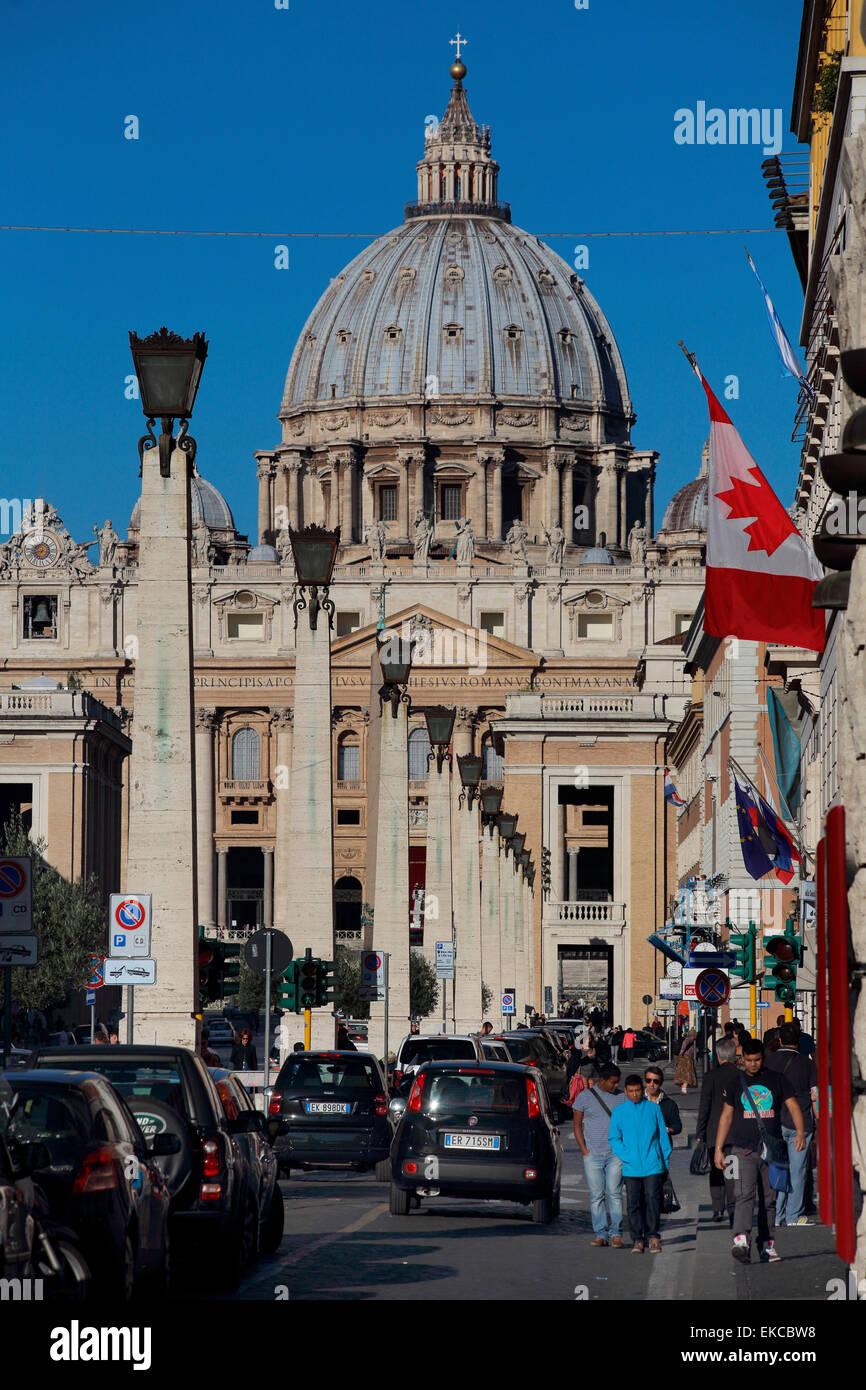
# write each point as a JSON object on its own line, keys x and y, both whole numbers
{"x": 410, "y": 1167}
{"x": 530, "y": 1172}
{"x": 210, "y": 1191}
{"x": 398, "y": 1078}
{"x": 213, "y": 1158}
{"x": 276, "y": 1103}
{"x": 532, "y": 1099}
{"x": 474, "y": 1071}
{"x": 417, "y": 1093}
{"x": 381, "y": 1104}
{"x": 98, "y": 1172}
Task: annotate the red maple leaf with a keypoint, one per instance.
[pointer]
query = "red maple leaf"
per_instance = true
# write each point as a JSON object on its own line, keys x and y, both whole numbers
{"x": 772, "y": 524}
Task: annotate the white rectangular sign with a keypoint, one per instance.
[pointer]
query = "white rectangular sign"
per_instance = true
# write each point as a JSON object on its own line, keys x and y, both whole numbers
{"x": 444, "y": 960}
{"x": 16, "y": 876}
{"x": 21, "y": 949}
{"x": 130, "y": 972}
{"x": 129, "y": 918}
{"x": 670, "y": 988}
{"x": 372, "y": 977}
{"x": 689, "y": 978}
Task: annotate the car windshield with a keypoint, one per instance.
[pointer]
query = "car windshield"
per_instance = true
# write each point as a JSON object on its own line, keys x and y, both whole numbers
{"x": 435, "y": 1050}
{"x": 340, "y": 1074}
{"x": 158, "y": 1080}
{"x": 57, "y": 1116}
{"x": 520, "y": 1048}
{"x": 447, "y": 1093}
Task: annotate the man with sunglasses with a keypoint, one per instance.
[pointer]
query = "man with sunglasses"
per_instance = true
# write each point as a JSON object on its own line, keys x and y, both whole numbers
{"x": 652, "y": 1080}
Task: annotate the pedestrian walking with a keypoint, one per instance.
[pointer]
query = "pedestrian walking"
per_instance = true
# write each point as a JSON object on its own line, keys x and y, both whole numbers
{"x": 593, "y": 1109}
{"x": 723, "y": 1074}
{"x": 750, "y": 1133}
{"x": 684, "y": 1070}
{"x": 627, "y": 1045}
{"x": 653, "y": 1080}
{"x": 802, "y": 1073}
{"x": 639, "y": 1137}
{"x": 243, "y": 1055}
{"x": 209, "y": 1058}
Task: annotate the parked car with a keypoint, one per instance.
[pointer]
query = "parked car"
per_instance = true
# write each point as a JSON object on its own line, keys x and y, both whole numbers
{"x": 564, "y": 1029}
{"x": 648, "y": 1046}
{"x": 418, "y": 1048}
{"x": 32, "y": 1244}
{"x": 98, "y": 1174}
{"x": 170, "y": 1091}
{"x": 495, "y": 1051}
{"x": 82, "y": 1034}
{"x": 249, "y": 1127}
{"x": 220, "y": 1033}
{"x": 478, "y": 1130}
{"x": 530, "y": 1048}
{"x": 330, "y": 1110}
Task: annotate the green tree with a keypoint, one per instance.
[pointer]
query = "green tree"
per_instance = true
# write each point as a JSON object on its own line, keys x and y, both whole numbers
{"x": 251, "y": 994}
{"x": 349, "y": 983}
{"x": 486, "y": 999}
{"x": 423, "y": 985}
{"x": 68, "y": 918}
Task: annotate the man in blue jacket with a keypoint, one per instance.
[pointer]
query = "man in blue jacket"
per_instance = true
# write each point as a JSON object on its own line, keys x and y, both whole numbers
{"x": 639, "y": 1137}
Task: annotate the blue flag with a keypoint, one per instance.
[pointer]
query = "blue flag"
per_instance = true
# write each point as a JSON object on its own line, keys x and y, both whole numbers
{"x": 786, "y": 746}
{"x": 755, "y": 857}
{"x": 787, "y": 356}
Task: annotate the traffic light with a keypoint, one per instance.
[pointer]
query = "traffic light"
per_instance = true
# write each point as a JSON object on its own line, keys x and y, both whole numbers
{"x": 326, "y": 983}
{"x": 205, "y": 962}
{"x": 842, "y": 531}
{"x": 228, "y": 969}
{"x": 288, "y": 997}
{"x": 743, "y": 944}
{"x": 782, "y": 955}
{"x": 217, "y": 969}
{"x": 308, "y": 975}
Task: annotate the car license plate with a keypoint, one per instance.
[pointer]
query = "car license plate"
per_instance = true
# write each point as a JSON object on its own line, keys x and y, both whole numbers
{"x": 472, "y": 1141}
{"x": 327, "y": 1107}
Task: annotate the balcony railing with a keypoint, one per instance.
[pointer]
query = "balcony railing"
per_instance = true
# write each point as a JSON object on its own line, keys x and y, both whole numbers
{"x": 586, "y": 911}
{"x": 233, "y": 787}
{"x": 502, "y": 211}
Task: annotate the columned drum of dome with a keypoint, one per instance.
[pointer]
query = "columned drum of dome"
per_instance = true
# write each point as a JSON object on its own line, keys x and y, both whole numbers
{"x": 456, "y": 368}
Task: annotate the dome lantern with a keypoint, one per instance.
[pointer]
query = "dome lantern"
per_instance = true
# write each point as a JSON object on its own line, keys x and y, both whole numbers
{"x": 457, "y": 172}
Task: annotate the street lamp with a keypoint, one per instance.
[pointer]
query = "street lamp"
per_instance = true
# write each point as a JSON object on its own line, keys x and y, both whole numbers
{"x": 491, "y": 800}
{"x": 314, "y": 551}
{"x": 470, "y": 775}
{"x": 168, "y": 369}
{"x": 440, "y": 727}
{"x": 518, "y": 840}
{"x": 395, "y": 659}
{"x": 507, "y": 825}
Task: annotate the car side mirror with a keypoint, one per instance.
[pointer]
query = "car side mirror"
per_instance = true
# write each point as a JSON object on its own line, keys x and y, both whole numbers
{"x": 162, "y": 1145}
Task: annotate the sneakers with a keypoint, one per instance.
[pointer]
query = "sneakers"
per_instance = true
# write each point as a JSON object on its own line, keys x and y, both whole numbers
{"x": 637, "y": 1248}
{"x": 617, "y": 1243}
{"x": 599, "y": 1240}
{"x": 718, "y": 1216}
{"x": 769, "y": 1255}
{"x": 803, "y": 1221}
{"x": 655, "y": 1245}
{"x": 740, "y": 1249}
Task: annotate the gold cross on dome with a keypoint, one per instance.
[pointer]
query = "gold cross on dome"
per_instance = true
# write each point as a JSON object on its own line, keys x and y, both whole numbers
{"x": 459, "y": 39}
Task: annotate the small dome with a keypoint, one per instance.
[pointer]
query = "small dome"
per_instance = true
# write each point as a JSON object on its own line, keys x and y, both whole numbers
{"x": 597, "y": 555}
{"x": 209, "y": 507}
{"x": 263, "y": 555}
{"x": 687, "y": 509}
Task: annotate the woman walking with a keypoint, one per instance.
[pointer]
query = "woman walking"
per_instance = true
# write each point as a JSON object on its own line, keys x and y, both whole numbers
{"x": 684, "y": 1071}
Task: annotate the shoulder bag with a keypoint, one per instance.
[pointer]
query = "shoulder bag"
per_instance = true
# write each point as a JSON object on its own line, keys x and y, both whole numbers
{"x": 701, "y": 1159}
{"x": 774, "y": 1151}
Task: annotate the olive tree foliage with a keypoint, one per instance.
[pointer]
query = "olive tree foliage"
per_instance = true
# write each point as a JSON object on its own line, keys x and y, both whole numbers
{"x": 69, "y": 920}
{"x": 423, "y": 985}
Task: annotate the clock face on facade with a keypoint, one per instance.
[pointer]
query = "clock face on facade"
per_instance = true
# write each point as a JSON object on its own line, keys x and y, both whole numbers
{"x": 40, "y": 551}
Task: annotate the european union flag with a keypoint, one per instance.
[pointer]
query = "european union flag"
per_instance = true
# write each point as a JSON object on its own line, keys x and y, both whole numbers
{"x": 757, "y": 861}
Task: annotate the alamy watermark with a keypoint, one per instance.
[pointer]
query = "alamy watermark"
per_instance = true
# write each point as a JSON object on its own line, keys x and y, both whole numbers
{"x": 736, "y": 126}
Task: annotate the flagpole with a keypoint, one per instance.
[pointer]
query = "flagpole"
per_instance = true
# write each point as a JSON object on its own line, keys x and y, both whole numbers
{"x": 746, "y": 778}
{"x": 690, "y": 358}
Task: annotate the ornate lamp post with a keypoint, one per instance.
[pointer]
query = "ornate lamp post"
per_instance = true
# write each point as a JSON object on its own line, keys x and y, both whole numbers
{"x": 395, "y": 661}
{"x": 440, "y": 728}
{"x": 507, "y": 826}
{"x": 169, "y": 370}
{"x": 439, "y": 886}
{"x": 470, "y": 776}
{"x": 491, "y": 913}
{"x": 314, "y": 551}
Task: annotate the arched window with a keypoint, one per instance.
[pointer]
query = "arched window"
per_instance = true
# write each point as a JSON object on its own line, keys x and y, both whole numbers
{"x": 419, "y": 747}
{"x": 349, "y": 759}
{"x": 245, "y": 756}
{"x": 491, "y": 763}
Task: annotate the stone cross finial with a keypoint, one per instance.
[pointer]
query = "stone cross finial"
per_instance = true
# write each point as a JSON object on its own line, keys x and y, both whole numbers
{"x": 458, "y": 41}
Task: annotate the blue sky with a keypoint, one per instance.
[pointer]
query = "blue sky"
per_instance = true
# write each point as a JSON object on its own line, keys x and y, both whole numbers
{"x": 311, "y": 119}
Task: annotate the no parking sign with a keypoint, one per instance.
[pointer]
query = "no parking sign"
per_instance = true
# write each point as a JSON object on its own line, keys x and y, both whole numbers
{"x": 508, "y": 1003}
{"x": 16, "y": 874}
{"x": 129, "y": 924}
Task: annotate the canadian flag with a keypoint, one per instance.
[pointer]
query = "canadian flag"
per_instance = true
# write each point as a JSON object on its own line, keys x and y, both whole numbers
{"x": 760, "y": 572}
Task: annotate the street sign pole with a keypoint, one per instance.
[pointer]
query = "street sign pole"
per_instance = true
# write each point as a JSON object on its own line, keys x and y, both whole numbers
{"x": 267, "y": 1022}
{"x": 130, "y": 1013}
{"x": 92, "y": 1024}
{"x": 308, "y": 1029}
{"x": 387, "y": 964}
{"x": 7, "y": 1014}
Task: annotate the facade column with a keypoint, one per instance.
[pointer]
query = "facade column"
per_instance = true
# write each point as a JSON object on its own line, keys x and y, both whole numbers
{"x": 621, "y": 475}
{"x": 552, "y": 499}
{"x": 467, "y": 918}
{"x": 494, "y": 492}
{"x": 438, "y": 877}
{"x": 268, "y": 896}
{"x": 222, "y": 917}
{"x": 567, "y": 522}
{"x": 404, "y": 530}
{"x": 491, "y": 917}
{"x": 521, "y": 951}
{"x": 281, "y": 718}
{"x": 264, "y": 472}
{"x": 506, "y": 932}
{"x": 334, "y": 507}
{"x": 366, "y": 503}
{"x": 572, "y": 875}
{"x": 205, "y": 791}
{"x": 295, "y": 493}
{"x": 349, "y": 529}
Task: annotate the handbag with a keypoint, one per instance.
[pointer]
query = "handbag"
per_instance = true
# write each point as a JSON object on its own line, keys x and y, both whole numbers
{"x": 774, "y": 1151}
{"x": 701, "y": 1160}
{"x": 669, "y": 1203}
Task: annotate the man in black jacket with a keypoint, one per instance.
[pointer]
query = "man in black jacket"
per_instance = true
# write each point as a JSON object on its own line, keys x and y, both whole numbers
{"x": 709, "y": 1110}
{"x": 652, "y": 1080}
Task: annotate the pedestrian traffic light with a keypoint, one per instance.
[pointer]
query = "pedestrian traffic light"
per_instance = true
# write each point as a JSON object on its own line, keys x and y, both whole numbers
{"x": 326, "y": 983}
{"x": 782, "y": 955}
{"x": 288, "y": 987}
{"x": 743, "y": 944}
{"x": 308, "y": 974}
{"x": 228, "y": 969}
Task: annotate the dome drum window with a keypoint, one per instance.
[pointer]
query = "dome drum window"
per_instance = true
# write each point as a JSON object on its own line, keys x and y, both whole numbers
{"x": 393, "y": 333}
{"x": 513, "y": 332}
{"x": 343, "y": 336}
{"x": 454, "y": 273}
{"x": 502, "y": 275}
{"x": 452, "y": 331}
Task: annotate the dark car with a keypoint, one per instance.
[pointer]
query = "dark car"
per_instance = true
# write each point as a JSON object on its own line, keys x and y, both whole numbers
{"x": 249, "y": 1127}
{"x": 531, "y": 1048}
{"x": 330, "y": 1110}
{"x": 100, "y": 1177}
{"x": 648, "y": 1046}
{"x": 17, "y": 1255}
{"x": 478, "y": 1130}
{"x": 170, "y": 1091}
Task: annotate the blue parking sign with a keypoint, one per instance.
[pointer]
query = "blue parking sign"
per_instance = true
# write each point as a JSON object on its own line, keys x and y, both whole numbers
{"x": 119, "y": 939}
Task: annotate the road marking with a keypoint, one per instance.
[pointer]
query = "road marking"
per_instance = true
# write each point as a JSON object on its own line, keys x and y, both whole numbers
{"x": 353, "y": 1226}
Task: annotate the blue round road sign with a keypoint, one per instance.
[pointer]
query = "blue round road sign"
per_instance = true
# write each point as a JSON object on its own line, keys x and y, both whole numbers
{"x": 712, "y": 988}
{"x": 12, "y": 878}
{"x": 130, "y": 914}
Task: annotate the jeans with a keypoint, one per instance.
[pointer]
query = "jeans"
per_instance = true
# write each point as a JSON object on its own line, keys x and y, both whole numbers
{"x": 751, "y": 1173}
{"x": 790, "y": 1205}
{"x": 603, "y": 1174}
{"x": 644, "y": 1200}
